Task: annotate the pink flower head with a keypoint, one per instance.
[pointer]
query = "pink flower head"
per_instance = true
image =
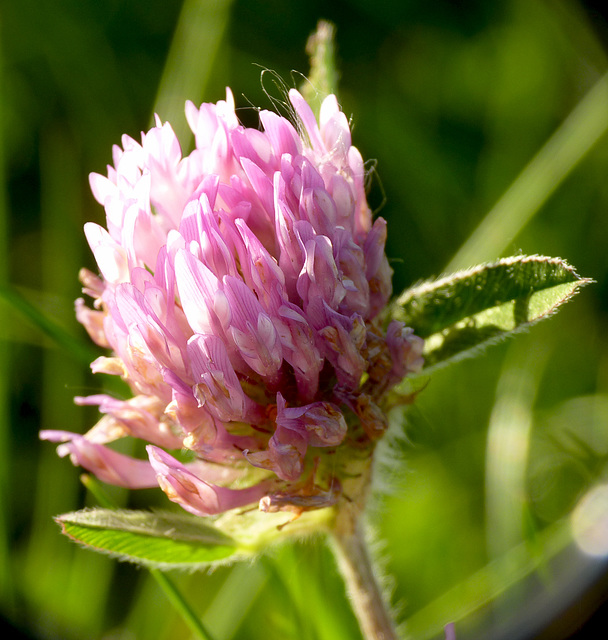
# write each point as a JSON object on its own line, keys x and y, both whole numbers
{"x": 241, "y": 291}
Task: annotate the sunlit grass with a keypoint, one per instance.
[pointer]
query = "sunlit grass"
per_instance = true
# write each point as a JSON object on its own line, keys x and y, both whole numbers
{"x": 194, "y": 50}
{"x": 583, "y": 128}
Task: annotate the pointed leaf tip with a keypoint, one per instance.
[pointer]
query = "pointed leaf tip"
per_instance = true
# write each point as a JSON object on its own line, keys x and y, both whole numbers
{"x": 460, "y": 314}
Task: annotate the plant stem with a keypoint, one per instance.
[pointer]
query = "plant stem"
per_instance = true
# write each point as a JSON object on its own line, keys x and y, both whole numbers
{"x": 355, "y": 564}
{"x": 187, "y": 613}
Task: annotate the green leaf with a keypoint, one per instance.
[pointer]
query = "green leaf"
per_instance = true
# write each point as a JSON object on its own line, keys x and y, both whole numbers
{"x": 462, "y": 313}
{"x": 155, "y": 539}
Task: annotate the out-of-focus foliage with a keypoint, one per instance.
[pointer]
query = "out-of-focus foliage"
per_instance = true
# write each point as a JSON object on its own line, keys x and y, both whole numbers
{"x": 450, "y": 101}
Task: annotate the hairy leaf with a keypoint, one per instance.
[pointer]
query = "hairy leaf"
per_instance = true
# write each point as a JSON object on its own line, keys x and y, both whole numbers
{"x": 466, "y": 311}
{"x": 155, "y": 539}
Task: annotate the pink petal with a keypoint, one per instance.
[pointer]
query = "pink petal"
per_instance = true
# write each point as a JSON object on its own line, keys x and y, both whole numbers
{"x": 108, "y": 465}
{"x": 193, "y": 493}
{"x": 110, "y": 256}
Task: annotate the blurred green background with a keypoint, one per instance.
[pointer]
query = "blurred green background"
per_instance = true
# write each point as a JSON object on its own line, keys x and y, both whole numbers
{"x": 451, "y": 100}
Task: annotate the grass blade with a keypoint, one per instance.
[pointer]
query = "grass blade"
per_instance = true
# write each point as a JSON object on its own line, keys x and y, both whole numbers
{"x": 191, "y": 58}
{"x": 585, "y": 125}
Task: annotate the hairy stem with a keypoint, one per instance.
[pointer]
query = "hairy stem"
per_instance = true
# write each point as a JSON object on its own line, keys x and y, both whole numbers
{"x": 355, "y": 564}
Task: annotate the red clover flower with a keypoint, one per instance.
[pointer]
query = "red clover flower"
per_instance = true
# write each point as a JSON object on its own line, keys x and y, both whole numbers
{"x": 241, "y": 292}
